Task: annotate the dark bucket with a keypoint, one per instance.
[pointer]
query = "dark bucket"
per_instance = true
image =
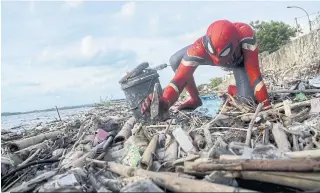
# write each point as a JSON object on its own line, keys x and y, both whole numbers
{"x": 137, "y": 89}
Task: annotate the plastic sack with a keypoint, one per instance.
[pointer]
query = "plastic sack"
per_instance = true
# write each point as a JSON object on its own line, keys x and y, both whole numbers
{"x": 315, "y": 82}
{"x": 210, "y": 105}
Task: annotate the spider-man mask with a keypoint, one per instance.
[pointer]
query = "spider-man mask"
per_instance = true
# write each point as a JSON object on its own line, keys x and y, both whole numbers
{"x": 222, "y": 42}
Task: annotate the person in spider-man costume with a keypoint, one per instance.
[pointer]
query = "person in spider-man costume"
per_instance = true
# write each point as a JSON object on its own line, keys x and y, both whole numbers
{"x": 225, "y": 44}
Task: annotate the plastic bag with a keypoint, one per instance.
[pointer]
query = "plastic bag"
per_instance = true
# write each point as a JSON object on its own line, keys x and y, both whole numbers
{"x": 210, "y": 105}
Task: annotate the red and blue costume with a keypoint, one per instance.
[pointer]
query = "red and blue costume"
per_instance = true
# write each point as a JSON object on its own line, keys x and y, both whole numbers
{"x": 225, "y": 44}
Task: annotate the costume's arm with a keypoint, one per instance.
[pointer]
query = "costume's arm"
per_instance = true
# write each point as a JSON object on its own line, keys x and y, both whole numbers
{"x": 251, "y": 61}
{"x": 195, "y": 56}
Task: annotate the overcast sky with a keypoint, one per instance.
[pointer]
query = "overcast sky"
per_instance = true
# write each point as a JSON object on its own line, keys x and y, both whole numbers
{"x": 71, "y": 53}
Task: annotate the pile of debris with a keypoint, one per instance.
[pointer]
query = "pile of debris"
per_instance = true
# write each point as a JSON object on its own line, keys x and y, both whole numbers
{"x": 107, "y": 150}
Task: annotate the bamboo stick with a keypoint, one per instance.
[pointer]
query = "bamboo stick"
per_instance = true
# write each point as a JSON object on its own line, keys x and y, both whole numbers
{"x": 254, "y": 165}
{"x": 125, "y": 131}
{"x": 147, "y": 157}
{"x": 296, "y": 91}
{"x": 27, "y": 142}
{"x": 171, "y": 182}
{"x": 304, "y": 154}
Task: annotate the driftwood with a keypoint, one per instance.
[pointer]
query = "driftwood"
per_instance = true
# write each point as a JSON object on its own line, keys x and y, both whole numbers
{"x": 81, "y": 160}
{"x": 26, "y": 186}
{"x": 125, "y": 132}
{"x": 304, "y": 154}
{"x": 207, "y": 136}
{"x": 167, "y": 181}
{"x": 188, "y": 158}
{"x": 266, "y": 136}
{"x": 147, "y": 157}
{"x": 249, "y": 131}
{"x": 307, "y": 154}
{"x": 295, "y": 145}
{"x": 281, "y": 138}
{"x": 304, "y": 181}
{"x": 278, "y": 109}
{"x": 27, "y": 142}
{"x": 171, "y": 152}
{"x": 30, "y": 158}
{"x": 254, "y": 165}
{"x": 296, "y": 91}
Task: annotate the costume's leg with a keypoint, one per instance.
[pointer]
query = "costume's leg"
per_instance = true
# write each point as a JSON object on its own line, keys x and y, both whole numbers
{"x": 191, "y": 87}
{"x": 176, "y": 58}
{"x": 243, "y": 84}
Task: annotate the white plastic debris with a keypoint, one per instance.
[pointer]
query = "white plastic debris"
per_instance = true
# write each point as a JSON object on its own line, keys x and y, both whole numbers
{"x": 182, "y": 139}
{"x": 315, "y": 82}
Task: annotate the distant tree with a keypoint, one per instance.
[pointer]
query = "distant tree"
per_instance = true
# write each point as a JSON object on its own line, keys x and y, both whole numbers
{"x": 316, "y": 23}
{"x": 215, "y": 82}
{"x": 272, "y": 35}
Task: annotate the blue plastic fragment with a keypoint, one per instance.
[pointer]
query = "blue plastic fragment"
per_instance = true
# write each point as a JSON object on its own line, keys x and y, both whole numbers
{"x": 210, "y": 105}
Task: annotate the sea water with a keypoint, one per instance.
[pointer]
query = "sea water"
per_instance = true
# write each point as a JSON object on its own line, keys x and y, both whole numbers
{"x": 16, "y": 123}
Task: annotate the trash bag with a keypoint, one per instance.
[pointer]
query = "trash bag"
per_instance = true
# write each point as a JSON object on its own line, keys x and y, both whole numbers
{"x": 210, "y": 105}
{"x": 315, "y": 82}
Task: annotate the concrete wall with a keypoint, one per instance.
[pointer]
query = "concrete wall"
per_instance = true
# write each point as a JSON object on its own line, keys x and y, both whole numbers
{"x": 298, "y": 59}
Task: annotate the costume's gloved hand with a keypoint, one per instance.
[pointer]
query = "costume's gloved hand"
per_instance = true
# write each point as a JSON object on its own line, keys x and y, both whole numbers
{"x": 163, "y": 105}
{"x": 190, "y": 104}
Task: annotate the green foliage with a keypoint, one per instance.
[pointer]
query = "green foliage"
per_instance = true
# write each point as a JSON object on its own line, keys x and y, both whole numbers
{"x": 215, "y": 82}
{"x": 105, "y": 102}
{"x": 272, "y": 35}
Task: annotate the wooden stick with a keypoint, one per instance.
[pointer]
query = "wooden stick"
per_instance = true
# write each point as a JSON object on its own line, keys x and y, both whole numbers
{"x": 26, "y": 151}
{"x": 279, "y": 109}
{"x": 281, "y": 138}
{"x": 232, "y": 128}
{"x": 58, "y": 113}
{"x": 171, "y": 182}
{"x": 304, "y": 154}
{"x": 249, "y": 131}
{"x": 296, "y": 91}
{"x": 156, "y": 126}
{"x": 78, "y": 141}
{"x": 229, "y": 157}
{"x": 30, "y": 158}
{"x": 254, "y": 165}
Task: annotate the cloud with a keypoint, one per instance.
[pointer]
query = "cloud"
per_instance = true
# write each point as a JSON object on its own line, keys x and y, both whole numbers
{"x": 73, "y": 3}
{"x": 127, "y": 11}
{"x": 86, "y": 46}
{"x": 154, "y": 23}
{"x": 32, "y": 6}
